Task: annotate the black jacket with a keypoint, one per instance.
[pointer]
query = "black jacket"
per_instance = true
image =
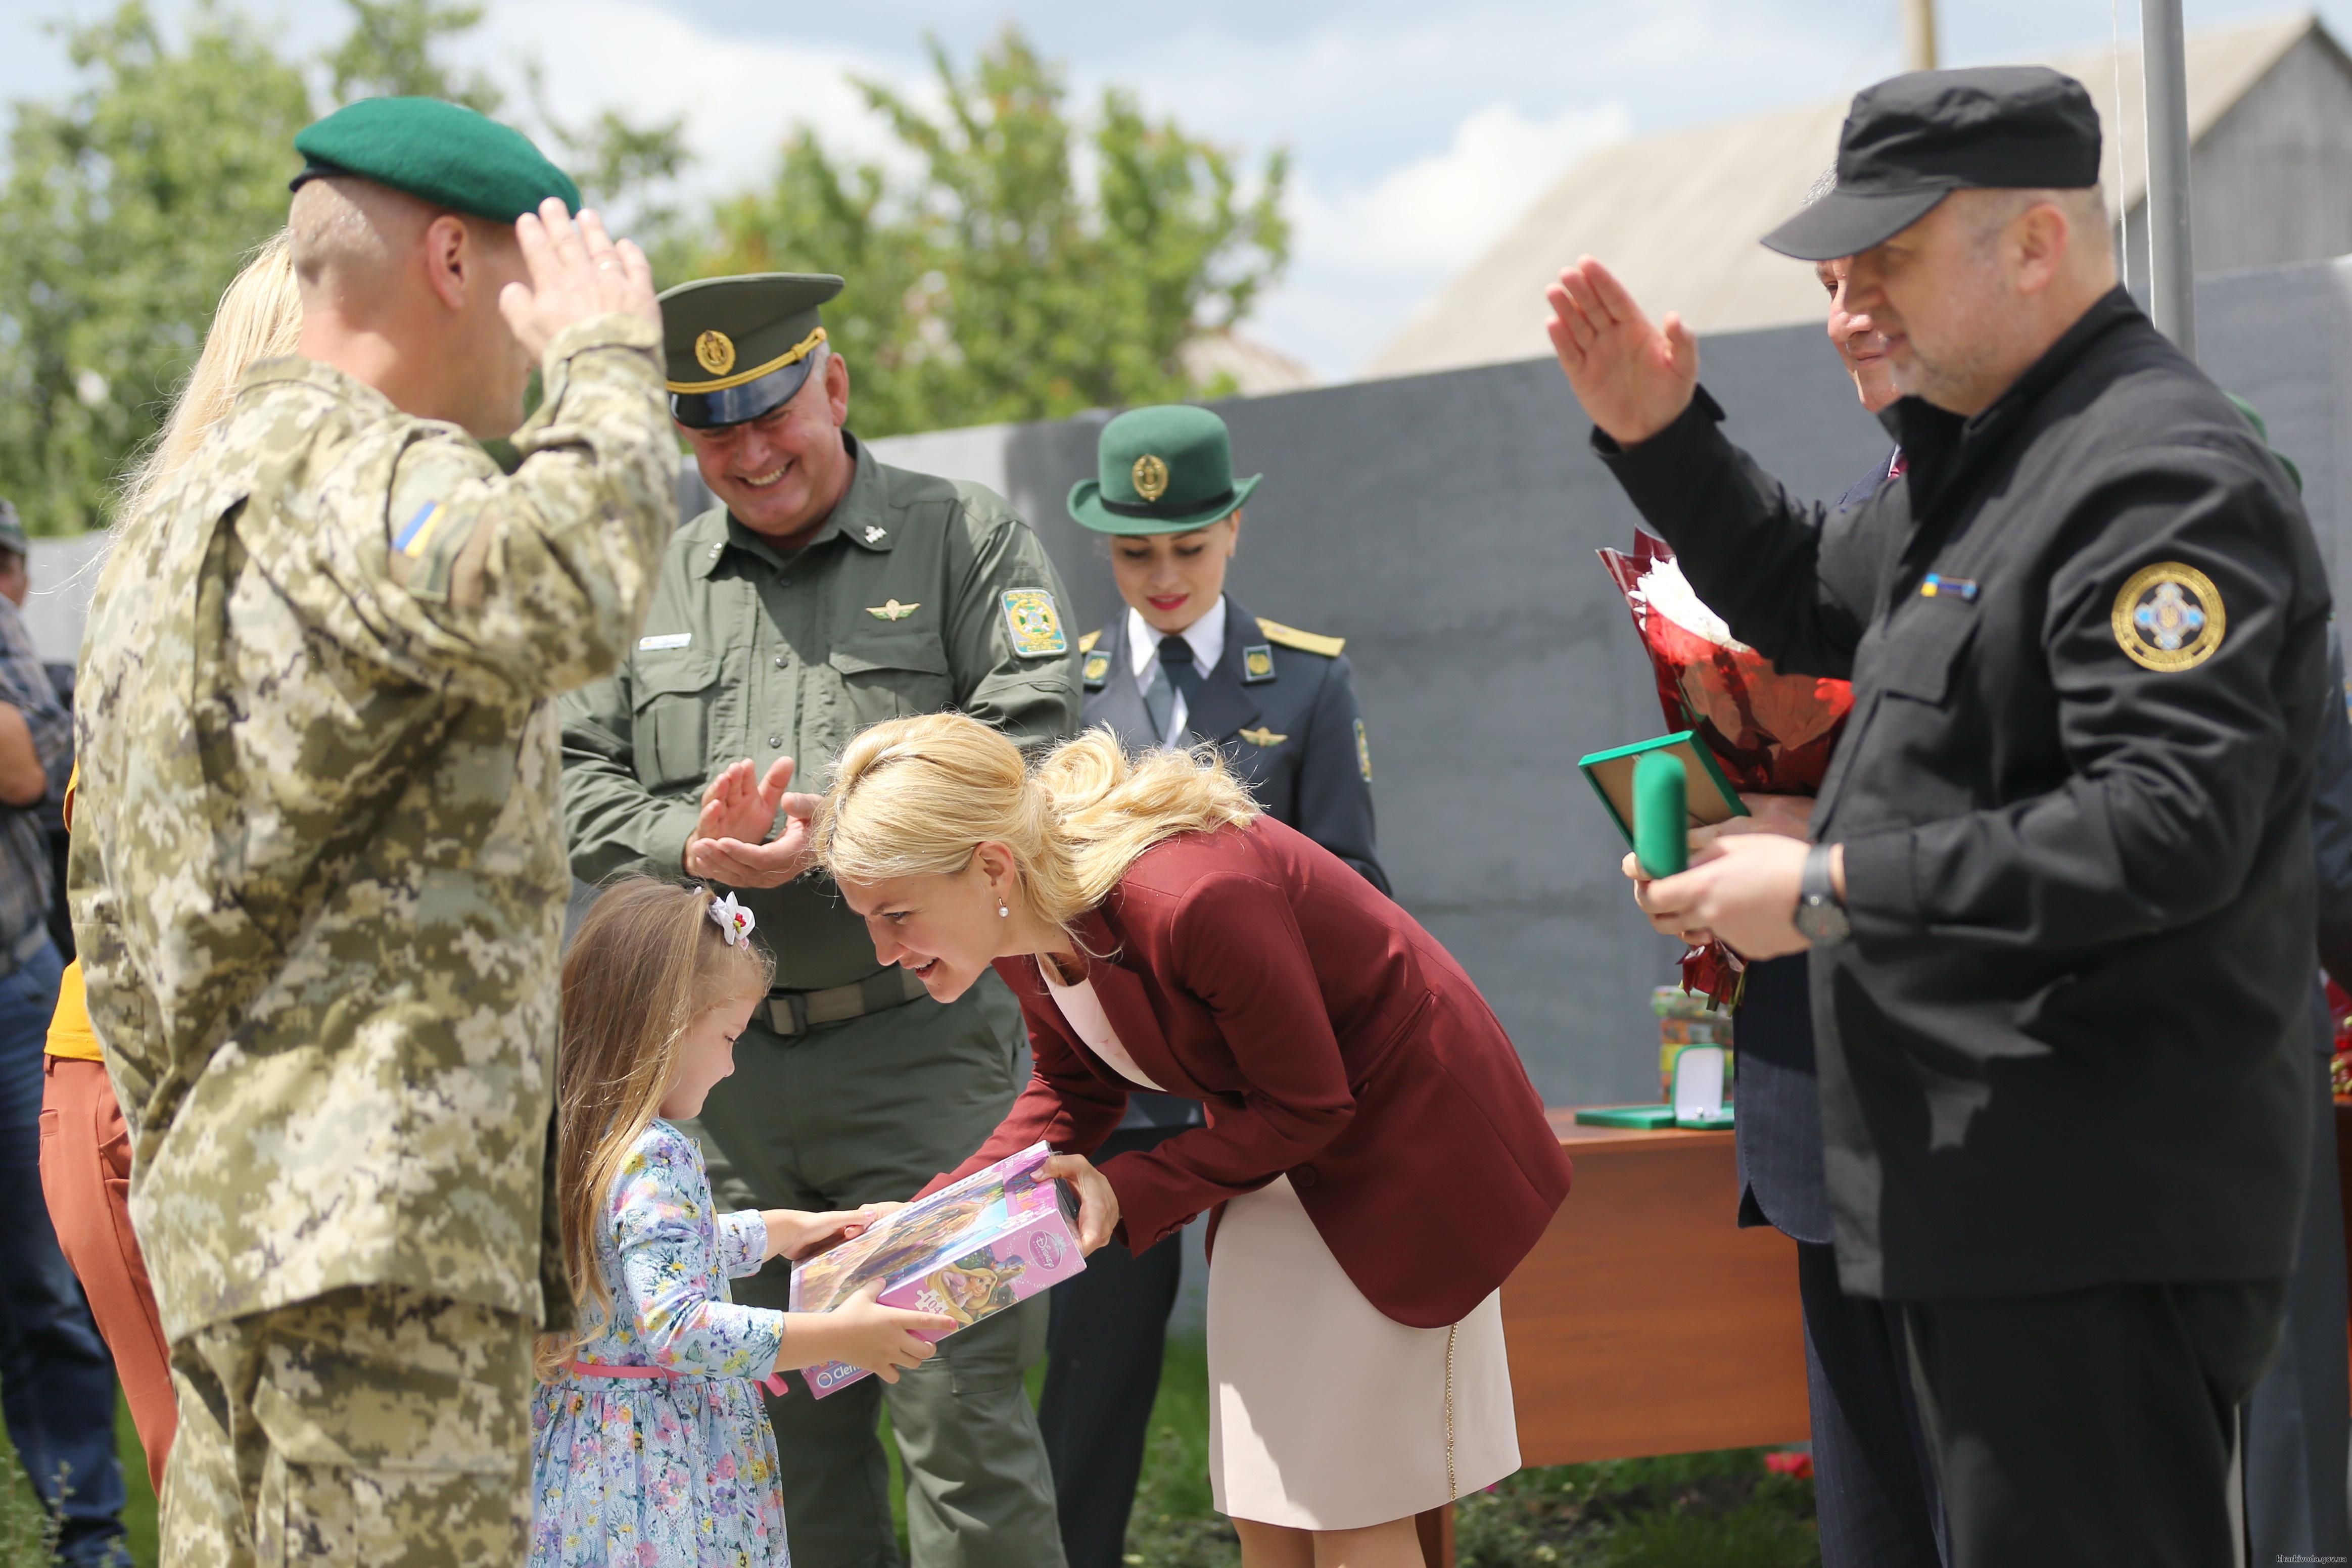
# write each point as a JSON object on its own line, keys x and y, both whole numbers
{"x": 1779, "y": 1134}
{"x": 2065, "y": 1045}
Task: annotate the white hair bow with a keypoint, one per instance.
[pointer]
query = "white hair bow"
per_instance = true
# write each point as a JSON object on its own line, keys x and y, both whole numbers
{"x": 735, "y": 922}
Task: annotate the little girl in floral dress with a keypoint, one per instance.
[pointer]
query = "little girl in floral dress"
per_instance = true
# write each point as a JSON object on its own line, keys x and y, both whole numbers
{"x": 650, "y": 1447}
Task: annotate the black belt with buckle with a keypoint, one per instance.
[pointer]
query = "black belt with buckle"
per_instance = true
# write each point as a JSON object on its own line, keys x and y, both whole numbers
{"x": 790, "y": 1013}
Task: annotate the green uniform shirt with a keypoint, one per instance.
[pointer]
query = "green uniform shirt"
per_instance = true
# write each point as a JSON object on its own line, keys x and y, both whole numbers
{"x": 318, "y": 872}
{"x": 917, "y": 594}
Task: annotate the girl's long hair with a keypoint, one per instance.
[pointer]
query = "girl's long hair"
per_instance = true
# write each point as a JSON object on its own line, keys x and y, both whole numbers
{"x": 913, "y": 797}
{"x": 647, "y": 962}
{"x": 260, "y": 317}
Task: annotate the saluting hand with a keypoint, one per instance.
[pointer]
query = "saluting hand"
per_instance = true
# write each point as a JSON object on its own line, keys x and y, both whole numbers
{"x": 576, "y": 273}
{"x": 731, "y": 843}
{"x": 1633, "y": 378}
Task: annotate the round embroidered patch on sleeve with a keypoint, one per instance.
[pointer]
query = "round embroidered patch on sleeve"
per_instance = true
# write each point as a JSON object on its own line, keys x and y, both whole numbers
{"x": 2169, "y": 617}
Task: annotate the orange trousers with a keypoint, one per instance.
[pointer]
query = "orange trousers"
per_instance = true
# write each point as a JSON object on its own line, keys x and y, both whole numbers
{"x": 86, "y": 1177}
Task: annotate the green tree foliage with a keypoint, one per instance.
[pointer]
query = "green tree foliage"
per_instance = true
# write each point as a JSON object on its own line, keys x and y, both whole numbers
{"x": 126, "y": 209}
{"x": 389, "y": 53}
{"x": 124, "y": 213}
{"x": 1023, "y": 267}
{"x": 1031, "y": 267}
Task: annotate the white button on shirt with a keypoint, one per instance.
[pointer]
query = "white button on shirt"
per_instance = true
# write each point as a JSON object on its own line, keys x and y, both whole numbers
{"x": 1207, "y": 637}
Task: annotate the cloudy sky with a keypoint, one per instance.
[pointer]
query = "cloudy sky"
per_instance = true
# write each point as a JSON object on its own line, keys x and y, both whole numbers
{"x": 1417, "y": 132}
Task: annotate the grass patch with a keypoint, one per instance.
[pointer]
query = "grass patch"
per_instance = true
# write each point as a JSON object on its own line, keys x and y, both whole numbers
{"x": 26, "y": 1530}
{"x": 1688, "y": 1511}
{"x": 1685, "y": 1511}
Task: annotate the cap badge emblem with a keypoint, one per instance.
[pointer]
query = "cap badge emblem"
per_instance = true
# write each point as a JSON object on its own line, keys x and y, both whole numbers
{"x": 715, "y": 352}
{"x": 893, "y": 610}
{"x": 2169, "y": 617}
{"x": 1151, "y": 476}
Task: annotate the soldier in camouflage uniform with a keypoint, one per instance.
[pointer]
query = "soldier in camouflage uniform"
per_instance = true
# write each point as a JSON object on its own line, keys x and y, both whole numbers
{"x": 830, "y": 592}
{"x": 319, "y": 874}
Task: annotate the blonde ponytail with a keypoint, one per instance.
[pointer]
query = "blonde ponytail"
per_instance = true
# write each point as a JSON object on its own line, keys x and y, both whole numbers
{"x": 260, "y": 317}
{"x": 913, "y": 797}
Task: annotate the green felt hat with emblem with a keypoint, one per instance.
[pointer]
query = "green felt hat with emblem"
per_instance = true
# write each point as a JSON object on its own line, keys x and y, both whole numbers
{"x": 1168, "y": 469}
{"x": 444, "y": 153}
{"x": 737, "y": 347}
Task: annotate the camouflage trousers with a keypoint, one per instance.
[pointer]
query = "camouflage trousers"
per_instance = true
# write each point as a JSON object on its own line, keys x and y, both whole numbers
{"x": 375, "y": 1425}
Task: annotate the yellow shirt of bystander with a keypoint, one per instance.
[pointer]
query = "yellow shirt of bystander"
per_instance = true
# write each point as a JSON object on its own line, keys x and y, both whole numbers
{"x": 69, "y": 1032}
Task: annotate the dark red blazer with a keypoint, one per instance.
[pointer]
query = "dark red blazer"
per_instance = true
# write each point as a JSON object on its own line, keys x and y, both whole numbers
{"x": 1330, "y": 1038}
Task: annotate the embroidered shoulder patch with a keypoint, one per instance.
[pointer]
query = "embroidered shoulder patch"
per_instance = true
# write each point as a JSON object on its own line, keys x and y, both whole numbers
{"x": 2169, "y": 617}
{"x": 425, "y": 548}
{"x": 1034, "y": 624}
{"x": 416, "y": 536}
{"x": 1363, "y": 753}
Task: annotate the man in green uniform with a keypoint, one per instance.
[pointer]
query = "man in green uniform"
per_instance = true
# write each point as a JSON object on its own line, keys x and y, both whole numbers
{"x": 829, "y": 591}
{"x": 318, "y": 872}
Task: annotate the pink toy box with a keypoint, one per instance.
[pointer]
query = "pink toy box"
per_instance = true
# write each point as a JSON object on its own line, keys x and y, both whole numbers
{"x": 968, "y": 1251}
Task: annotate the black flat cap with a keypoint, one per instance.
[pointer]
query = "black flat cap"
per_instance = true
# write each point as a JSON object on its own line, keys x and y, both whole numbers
{"x": 1911, "y": 140}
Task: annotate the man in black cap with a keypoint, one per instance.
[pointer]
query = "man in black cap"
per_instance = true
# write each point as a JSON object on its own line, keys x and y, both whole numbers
{"x": 2060, "y": 894}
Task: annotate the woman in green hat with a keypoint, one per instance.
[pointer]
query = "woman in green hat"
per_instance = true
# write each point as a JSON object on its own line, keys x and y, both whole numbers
{"x": 1184, "y": 666}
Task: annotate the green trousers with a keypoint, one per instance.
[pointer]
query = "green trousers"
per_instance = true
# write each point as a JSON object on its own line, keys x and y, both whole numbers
{"x": 865, "y": 1112}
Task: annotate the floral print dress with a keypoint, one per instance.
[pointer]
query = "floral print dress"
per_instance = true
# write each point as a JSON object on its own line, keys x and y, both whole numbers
{"x": 664, "y": 1472}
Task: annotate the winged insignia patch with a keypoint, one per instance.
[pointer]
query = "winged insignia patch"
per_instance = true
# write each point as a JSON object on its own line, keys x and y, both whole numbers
{"x": 894, "y": 611}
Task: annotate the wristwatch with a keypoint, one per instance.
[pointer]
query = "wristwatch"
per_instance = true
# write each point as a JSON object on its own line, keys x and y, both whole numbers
{"x": 1821, "y": 919}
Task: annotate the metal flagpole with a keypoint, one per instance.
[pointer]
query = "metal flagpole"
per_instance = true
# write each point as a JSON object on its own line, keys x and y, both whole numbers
{"x": 2163, "y": 93}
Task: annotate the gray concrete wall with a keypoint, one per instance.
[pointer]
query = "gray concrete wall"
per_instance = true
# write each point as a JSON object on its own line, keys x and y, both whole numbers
{"x": 1445, "y": 525}
{"x": 64, "y": 572}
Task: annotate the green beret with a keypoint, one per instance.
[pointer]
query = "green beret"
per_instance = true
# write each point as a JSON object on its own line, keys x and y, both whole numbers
{"x": 440, "y": 153}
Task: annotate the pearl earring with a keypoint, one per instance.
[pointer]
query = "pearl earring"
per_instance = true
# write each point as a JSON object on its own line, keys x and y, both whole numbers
{"x": 1004, "y": 911}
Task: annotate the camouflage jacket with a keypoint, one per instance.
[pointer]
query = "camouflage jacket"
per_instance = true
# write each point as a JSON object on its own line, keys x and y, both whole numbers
{"x": 318, "y": 872}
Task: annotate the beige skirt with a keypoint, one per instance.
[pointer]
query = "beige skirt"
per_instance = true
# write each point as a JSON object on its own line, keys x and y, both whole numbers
{"x": 1323, "y": 1413}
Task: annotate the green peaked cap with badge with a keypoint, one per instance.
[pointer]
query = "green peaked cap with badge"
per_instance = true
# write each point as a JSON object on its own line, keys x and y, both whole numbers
{"x": 444, "y": 153}
{"x": 1167, "y": 469}
{"x": 737, "y": 347}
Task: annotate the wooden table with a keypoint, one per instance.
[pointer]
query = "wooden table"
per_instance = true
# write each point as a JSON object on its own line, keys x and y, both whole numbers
{"x": 1646, "y": 1322}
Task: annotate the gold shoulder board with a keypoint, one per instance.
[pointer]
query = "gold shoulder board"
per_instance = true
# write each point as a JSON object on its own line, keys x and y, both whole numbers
{"x": 1086, "y": 644}
{"x": 1305, "y": 641}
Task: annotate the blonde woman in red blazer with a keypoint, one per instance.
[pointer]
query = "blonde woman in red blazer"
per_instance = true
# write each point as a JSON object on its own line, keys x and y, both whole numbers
{"x": 1376, "y": 1158}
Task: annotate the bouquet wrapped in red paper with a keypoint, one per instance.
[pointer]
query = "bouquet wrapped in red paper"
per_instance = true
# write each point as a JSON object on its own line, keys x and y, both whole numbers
{"x": 1772, "y": 733}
